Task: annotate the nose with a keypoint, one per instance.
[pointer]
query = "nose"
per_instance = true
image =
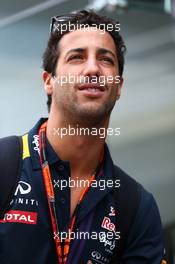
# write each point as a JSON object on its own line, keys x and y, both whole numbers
{"x": 91, "y": 67}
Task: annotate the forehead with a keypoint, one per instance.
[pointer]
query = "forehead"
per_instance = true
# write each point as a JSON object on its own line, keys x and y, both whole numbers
{"x": 87, "y": 39}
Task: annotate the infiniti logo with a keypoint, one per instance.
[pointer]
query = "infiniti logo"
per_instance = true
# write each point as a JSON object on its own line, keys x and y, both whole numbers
{"x": 23, "y": 188}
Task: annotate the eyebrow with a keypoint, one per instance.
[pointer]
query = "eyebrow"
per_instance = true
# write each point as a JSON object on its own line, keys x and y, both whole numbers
{"x": 99, "y": 52}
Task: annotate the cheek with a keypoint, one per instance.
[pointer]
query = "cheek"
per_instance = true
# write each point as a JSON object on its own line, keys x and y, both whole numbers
{"x": 64, "y": 92}
{"x": 113, "y": 91}
{"x": 112, "y": 76}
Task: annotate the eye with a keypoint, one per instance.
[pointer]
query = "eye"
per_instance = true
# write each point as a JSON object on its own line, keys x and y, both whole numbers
{"x": 76, "y": 57}
{"x": 107, "y": 60}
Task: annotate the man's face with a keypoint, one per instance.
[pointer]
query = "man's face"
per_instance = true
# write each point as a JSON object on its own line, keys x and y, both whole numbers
{"x": 86, "y": 55}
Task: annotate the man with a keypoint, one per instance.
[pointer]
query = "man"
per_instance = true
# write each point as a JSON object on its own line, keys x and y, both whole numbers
{"x": 71, "y": 204}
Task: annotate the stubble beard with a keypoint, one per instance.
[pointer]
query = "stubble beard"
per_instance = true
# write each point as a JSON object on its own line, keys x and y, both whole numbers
{"x": 86, "y": 115}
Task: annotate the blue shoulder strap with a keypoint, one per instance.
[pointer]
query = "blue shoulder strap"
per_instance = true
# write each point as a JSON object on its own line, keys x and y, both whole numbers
{"x": 10, "y": 169}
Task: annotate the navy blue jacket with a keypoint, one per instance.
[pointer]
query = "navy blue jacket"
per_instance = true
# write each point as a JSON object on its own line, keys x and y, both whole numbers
{"x": 26, "y": 232}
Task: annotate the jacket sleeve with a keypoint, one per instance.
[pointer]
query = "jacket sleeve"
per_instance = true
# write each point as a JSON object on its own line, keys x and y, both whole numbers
{"x": 145, "y": 240}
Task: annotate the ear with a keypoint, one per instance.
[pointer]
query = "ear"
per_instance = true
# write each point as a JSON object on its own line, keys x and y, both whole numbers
{"x": 48, "y": 82}
{"x": 119, "y": 87}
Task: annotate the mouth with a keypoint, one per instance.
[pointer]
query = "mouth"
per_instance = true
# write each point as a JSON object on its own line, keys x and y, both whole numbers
{"x": 92, "y": 89}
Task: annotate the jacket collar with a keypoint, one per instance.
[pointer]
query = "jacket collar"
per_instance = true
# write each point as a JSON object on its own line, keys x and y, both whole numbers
{"x": 34, "y": 147}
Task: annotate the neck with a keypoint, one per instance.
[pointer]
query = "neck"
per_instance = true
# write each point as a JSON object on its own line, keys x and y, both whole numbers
{"x": 82, "y": 151}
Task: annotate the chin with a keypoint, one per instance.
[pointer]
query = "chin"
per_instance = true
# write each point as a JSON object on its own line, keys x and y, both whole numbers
{"x": 92, "y": 115}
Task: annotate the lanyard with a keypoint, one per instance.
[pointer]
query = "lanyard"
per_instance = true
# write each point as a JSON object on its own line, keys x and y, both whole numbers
{"x": 62, "y": 247}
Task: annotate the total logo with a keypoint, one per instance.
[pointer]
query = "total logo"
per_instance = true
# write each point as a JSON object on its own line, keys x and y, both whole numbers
{"x": 23, "y": 188}
{"x": 23, "y": 217}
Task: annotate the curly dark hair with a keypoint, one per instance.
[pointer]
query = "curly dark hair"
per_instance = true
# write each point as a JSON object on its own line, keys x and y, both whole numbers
{"x": 83, "y": 17}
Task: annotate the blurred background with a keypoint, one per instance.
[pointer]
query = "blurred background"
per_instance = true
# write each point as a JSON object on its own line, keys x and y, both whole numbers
{"x": 146, "y": 111}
